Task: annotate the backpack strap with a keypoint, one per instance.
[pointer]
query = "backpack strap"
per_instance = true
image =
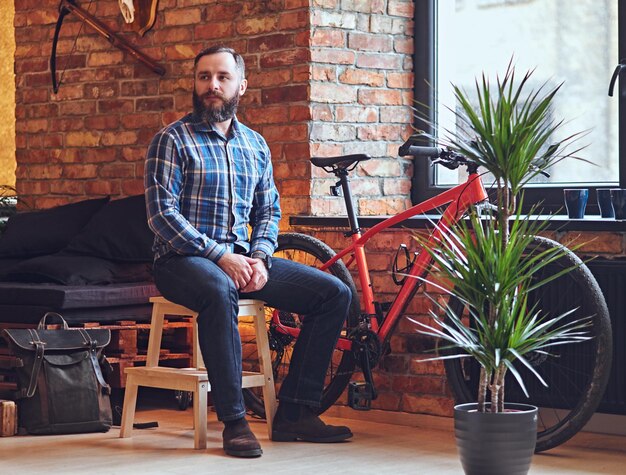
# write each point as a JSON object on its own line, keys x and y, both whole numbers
{"x": 93, "y": 357}
{"x": 39, "y": 352}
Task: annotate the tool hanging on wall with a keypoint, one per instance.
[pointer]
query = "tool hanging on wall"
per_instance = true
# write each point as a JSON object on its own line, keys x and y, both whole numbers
{"x": 69, "y": 6}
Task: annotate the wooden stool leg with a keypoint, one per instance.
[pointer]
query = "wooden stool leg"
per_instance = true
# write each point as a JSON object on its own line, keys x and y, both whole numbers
{"x": 156, "y": 334}
{"x": 265, "y": 362}
{"x": 199, "y": 416}
{"x": 128, "y": 411}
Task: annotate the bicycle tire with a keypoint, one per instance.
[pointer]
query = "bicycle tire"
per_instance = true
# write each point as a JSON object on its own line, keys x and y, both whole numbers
{"x": 576, "y": 375}
{"x": 313, "y": 252}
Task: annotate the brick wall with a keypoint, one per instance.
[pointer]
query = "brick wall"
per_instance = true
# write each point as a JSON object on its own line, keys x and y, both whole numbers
{"x": 361, "y": 93}
{"x": 90, "y": 138}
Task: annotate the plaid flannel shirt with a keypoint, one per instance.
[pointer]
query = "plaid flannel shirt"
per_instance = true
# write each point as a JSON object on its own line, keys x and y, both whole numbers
{"x": 204, "y": 189}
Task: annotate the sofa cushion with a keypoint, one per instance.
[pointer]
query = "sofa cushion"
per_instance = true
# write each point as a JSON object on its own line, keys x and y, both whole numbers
{"x": 76, "y": 270}
{"x": 6, "y": 264}
{"x": 31, "y": 314}
{"x": 83, "y": 296}
{"x": 46, "y": 231}
{"x": 119, "y": 231}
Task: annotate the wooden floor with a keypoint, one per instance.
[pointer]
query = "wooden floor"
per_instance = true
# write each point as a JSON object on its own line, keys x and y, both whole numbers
{"x": 376, "y": 448}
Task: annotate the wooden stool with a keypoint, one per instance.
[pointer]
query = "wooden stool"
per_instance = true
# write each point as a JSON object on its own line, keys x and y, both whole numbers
{"x": 195, "y": 379}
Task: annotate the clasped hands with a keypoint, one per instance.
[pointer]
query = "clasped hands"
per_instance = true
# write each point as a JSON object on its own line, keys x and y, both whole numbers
{"x": 247, "y": 273}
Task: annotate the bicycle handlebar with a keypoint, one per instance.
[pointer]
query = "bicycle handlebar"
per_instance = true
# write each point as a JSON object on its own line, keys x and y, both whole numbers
{"x": 438, "y": 155}
{"x": 420, "y": 151}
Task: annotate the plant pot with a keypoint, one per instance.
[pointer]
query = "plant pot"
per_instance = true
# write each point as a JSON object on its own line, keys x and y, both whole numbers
{"x": 496, "y": 443}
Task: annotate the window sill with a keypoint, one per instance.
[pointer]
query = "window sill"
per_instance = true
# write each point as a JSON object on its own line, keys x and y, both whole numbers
{"x": 590, "y": 223}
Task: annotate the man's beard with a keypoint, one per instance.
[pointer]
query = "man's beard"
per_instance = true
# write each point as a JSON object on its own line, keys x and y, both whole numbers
{"x": 211, "y": 113}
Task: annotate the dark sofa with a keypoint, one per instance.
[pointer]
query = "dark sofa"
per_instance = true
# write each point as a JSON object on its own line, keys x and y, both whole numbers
{"x": 89, "y": 261}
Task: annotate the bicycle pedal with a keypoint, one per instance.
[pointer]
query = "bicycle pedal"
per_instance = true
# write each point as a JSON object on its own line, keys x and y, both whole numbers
{"x": 360, "y": 395}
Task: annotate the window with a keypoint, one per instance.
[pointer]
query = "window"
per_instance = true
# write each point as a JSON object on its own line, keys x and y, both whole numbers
{"x": 576, "y": 43}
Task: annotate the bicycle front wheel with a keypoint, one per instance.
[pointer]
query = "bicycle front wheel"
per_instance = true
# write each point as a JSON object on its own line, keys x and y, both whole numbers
{"x": 311, "y": 252}
{"x": 576, "y": 374}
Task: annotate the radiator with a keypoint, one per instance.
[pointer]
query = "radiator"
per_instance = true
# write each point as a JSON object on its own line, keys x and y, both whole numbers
{"x": 611, "y": 276}
{"x": 566, "y": 371}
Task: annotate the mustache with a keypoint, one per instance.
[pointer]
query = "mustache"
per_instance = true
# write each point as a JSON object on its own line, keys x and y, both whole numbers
{"x": 212, "y": 94}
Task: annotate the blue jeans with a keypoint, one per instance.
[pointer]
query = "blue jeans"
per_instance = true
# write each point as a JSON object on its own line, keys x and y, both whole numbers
{"x": 201, "y": 285}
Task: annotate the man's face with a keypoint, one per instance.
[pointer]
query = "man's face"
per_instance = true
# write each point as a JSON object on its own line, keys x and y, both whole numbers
{"x": 217, "y": 87}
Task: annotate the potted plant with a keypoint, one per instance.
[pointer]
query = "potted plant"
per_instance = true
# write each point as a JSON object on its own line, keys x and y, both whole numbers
{"x": 489, "y": 266}
{"x": 8, "y": 203}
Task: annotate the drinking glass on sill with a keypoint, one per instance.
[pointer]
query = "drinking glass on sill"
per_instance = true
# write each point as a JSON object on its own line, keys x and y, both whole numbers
{"x": 604, "y": 203}
{"x": 618, "y": 199}
{"x": 576, "y": 202}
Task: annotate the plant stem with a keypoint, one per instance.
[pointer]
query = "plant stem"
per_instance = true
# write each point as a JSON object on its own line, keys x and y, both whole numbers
{"x": 482, "y": 389}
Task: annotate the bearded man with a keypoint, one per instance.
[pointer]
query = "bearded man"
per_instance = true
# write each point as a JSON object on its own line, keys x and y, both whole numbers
{"x": 207, "y": 179}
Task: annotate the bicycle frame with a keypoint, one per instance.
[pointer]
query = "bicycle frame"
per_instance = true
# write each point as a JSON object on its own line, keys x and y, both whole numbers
{"x": 458, "y": 200}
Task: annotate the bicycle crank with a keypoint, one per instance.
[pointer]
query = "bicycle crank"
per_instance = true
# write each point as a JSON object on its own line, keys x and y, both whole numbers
{"x": 367, "y": 350}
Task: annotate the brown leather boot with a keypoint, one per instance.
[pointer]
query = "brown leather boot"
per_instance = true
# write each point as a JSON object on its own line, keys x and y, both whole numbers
{"x": 307, "y": 427}
{"x": 239, "y": 441}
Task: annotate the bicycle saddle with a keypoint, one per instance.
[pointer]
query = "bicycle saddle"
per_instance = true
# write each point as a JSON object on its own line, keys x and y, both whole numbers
{"x": 344, "y": 161}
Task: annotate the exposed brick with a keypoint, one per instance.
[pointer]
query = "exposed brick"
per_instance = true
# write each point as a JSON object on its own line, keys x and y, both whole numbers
{"x": 105, "y": 58}
{"x": 324, "y": 73}
{"x": 392, "y": 114}
{"x": 299, "y": 113}
{"x": 83, "y": 139}
{"x": 267, "y": 115}
{"x": 255, "y": 26}
{"x": 212, "y": 31}
{"x": 379, "y": 132}
{"x": 337, "y": 133}
{"x": 327, "y": 37}
{"x": 364, "y": 6}
{"x": 270, "y": 43}
{"x": 387, "y": 206}
{"x": 400, "y": 80}
{"x": 101, "y": 187}
{"x": 401, "y": 8}
{"x": 379, "y": 61}
{"x": 361, "y": 76}
{"x": 182, "y": 16}
{"x": 333, "y": 93}
{"x": 611, "y": 243}
{"x": 80, "y": 171}
{"x": 380, "y": 97}
{"x": 369, "y": 42}
{"x": 132, "y": 187}
{"x": 356, "y": 114}
{"x": 119, "y": 138}
{"x": 103, "y": 122}
{"x": 334, "y": 19}
{"x": 284, "y": 94}
{"x": 420, "y": 404}
{"x": 289, "y": 57}
{"x": 293, "y": 20}
{"x": 333, "y": 56}
{"x": 67, "y": 187}
{"x": 396, "y": 187}
{"x": 285, "y": 133}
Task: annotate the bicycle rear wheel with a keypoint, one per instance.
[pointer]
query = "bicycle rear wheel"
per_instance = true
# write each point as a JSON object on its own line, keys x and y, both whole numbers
{"x": 576, "y": 374}
{"x": 311, "y": 252}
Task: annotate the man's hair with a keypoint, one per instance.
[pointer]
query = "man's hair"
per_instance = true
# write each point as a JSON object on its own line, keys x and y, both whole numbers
{"x": 241, "y": 67}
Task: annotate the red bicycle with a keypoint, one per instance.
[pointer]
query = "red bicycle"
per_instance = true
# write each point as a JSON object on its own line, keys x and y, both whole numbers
{"x": 578, "y": 373}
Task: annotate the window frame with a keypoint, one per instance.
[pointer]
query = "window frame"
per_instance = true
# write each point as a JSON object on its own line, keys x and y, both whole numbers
{"x": 425, "y": 67}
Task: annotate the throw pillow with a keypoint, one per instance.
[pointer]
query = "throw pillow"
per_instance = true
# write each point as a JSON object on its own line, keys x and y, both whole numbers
{"x": 46, "y": 231}
{"x": 76, "y": 270}
{"x": 119, "y": 231}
